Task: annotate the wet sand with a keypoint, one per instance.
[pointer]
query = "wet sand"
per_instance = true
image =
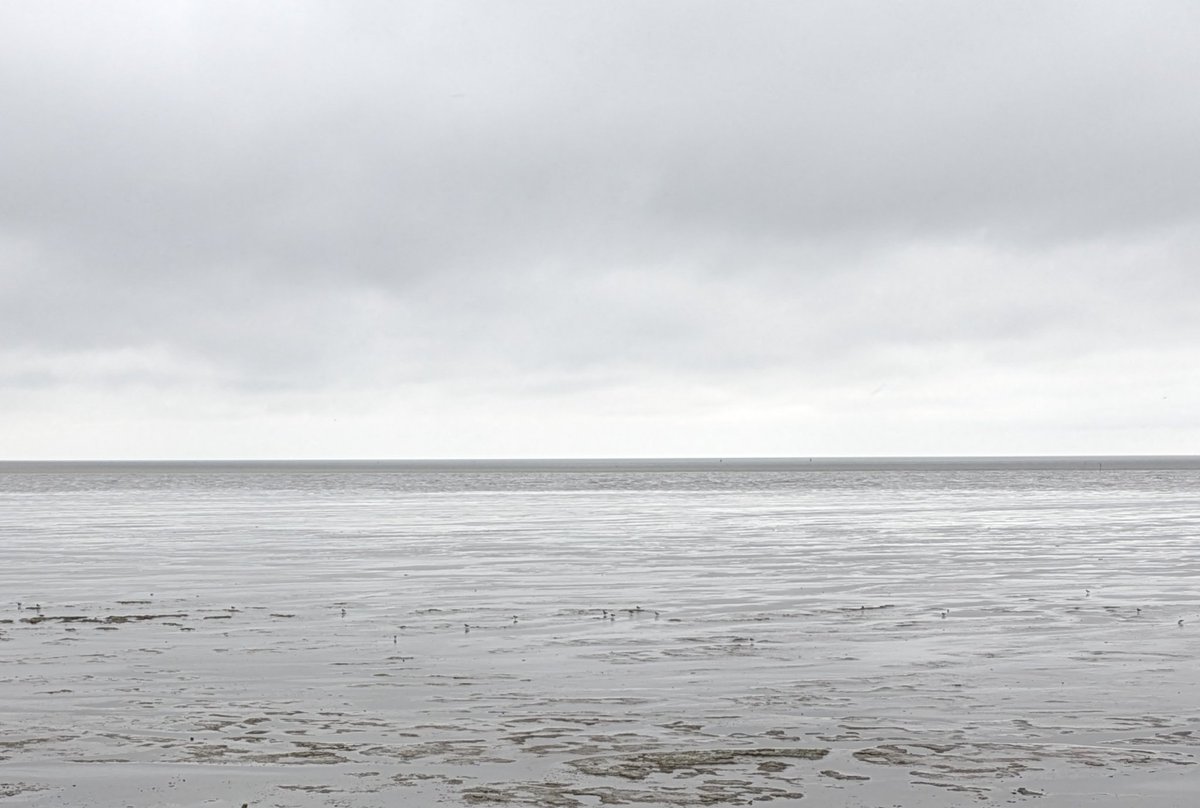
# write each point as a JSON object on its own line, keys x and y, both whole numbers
{"x": 357, "y": 646}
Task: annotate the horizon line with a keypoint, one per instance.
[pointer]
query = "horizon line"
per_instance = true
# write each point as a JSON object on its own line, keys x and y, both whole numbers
{"x": 1128, "y": 462}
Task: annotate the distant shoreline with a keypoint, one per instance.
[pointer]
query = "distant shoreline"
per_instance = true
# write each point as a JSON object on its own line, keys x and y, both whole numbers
{"x": 615, "y": 465}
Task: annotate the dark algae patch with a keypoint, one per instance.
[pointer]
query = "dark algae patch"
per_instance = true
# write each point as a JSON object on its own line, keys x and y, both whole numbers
{"x": 640, "y": 765}
{"x": 715, "y": 776}
{"x": 82, "y": 618}
{"x": 836, "y": 775}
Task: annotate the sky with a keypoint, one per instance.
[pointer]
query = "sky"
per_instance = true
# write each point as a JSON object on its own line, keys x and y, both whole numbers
{"x": 598, "y": 228}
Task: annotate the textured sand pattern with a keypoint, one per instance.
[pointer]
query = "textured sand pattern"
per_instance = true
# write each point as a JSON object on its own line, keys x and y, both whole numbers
{"x": 340, "y": 642}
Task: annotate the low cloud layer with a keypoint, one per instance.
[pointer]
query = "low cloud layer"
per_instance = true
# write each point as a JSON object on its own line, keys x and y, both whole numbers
{"x": 607, "y": 229}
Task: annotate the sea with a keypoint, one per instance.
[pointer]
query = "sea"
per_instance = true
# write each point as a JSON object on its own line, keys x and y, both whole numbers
{"x": 857, "y": 632}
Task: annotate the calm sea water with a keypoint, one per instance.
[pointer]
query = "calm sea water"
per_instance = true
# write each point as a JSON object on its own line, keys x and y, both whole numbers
{"x": 230, "y": 615}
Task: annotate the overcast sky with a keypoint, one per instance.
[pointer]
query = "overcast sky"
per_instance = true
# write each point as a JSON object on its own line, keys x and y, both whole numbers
{"x": 545, "y": 228}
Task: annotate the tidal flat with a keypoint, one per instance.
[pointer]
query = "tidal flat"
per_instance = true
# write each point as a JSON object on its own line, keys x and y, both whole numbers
{"x": 873, "y": 639}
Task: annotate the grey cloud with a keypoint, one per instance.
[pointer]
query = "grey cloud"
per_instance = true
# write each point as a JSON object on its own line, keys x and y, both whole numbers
{"x": 448, "y": 133}
{"x": 365, "y": 195}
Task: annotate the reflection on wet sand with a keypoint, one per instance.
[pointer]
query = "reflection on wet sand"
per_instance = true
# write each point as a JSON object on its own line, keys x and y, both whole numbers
{"x": 574, "y": 648}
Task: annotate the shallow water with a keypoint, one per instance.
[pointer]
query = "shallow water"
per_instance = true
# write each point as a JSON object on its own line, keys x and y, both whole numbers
{"x": 897, "y": 637}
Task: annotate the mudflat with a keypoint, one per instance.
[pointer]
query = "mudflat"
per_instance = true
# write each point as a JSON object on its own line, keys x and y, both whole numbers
{"x": 356, "y": 640}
